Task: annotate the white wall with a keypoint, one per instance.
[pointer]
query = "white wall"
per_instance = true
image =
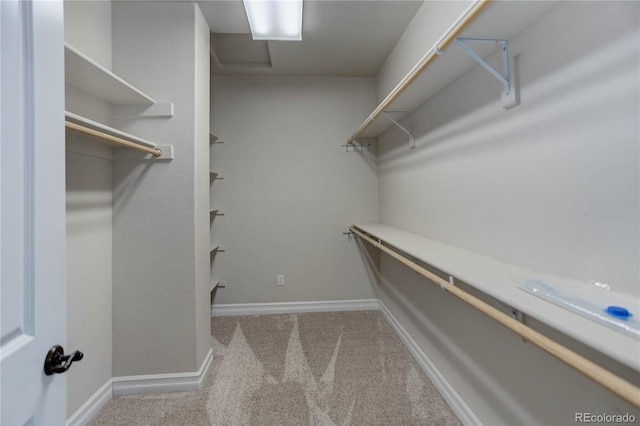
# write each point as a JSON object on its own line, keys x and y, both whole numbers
{"x": 552, "y": 185}
{"x": 430, "y": 22}
{"x": 88, "y": 172}
{"x": 89, "y": 214}
{"x": 87, "y": 27}
{"x": 289, "y": 187}
{"x": 159, "y": 266}
{"x": 163, "y": 314}
{"x": 201, "y": 187}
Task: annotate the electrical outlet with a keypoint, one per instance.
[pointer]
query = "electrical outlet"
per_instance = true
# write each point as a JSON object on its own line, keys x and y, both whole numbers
{"x": 280, "y": 279}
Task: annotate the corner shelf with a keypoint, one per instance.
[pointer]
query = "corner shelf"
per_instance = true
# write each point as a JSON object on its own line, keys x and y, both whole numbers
{"x": 216, "y": 248}
{"x": 443, "y": 63}
{"x": 213, "y": 139}
{"x": 213, "y": 212}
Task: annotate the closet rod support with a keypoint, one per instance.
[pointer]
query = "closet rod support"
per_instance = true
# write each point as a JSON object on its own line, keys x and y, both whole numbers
{"x": 504, "y": 79}
{"x": 409, "y": 131}
{"x": 512, "y": 312}
{"x": 349, "y": 235}
{"x": 155, "y": 151}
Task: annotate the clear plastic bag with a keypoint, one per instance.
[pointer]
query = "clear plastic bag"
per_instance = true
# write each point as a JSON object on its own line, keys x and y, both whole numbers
{"x": 597, "y": 302}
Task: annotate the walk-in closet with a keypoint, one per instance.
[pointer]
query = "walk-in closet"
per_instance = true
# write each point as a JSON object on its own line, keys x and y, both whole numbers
{"x": 384, "y": 212}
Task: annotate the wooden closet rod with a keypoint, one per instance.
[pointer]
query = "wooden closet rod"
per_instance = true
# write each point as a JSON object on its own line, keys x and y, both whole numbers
{"x": 444, "y": 42}
{"x": 156, "y": 152}
{"x": 608, "y": 380}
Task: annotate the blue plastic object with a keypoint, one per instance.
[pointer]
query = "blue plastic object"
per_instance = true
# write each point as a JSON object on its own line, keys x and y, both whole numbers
{"x": 618, "y": 312}
{"x": 599, "y": 305}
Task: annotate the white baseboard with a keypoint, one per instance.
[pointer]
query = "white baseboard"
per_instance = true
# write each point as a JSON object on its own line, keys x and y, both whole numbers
{"x": 156, "y": 383}
{"x": 455, "y": 401}
{"x": 294, "y": 307}
{"x": 94, "y": 404}
{"x": 130, "y": 385}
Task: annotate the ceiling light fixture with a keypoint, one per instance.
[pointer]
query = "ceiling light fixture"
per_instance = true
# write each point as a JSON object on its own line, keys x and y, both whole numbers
{"x": 274, "y": 19}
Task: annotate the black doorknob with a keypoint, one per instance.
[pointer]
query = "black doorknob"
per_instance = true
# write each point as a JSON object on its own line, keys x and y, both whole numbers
{"x": 57, "y": 362}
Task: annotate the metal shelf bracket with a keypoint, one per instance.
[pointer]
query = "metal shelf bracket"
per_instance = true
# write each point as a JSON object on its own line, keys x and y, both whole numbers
{"x": 511, "y": 311}
{"x": 409, "y": 131}
{"x": 504, "y": 79}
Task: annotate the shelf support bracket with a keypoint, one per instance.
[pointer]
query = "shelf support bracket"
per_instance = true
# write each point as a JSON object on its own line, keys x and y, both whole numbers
{"x": 504, "y": 79}
{"x": 409, "y": 131}
{"x": 512, "y": 312}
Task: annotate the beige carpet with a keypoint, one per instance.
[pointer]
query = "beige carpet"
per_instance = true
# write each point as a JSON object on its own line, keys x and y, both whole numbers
{"x": 337, "y": 368}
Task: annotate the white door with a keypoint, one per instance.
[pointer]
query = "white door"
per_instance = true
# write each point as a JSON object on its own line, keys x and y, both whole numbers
{"x": 32, "y": 208}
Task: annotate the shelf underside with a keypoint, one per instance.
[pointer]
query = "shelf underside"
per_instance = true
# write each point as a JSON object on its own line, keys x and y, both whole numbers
{"x": 91, "y": 77}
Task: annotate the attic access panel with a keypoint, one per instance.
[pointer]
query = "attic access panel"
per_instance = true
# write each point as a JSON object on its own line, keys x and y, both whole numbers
{"x": 239, "y": 51}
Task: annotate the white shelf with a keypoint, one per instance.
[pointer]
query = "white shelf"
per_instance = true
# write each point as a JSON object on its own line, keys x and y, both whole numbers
{"x": 499, "y": 280}
{"x": 213, "y": 212}
{"x": 75, "y": 118}
{"x": 88, "y": 75}
{"x": 500, "y": 20}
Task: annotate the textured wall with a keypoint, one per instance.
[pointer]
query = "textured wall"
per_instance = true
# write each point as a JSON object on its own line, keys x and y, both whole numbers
{"x": 88, "y": 171}
{"x": 552, "y": 185}
{"x": 89, "y": 194}
{"x": 289, "y": 187}
{"x": 157, "y": 262}
{"x": 201, "y": 173}
{"x": 432, "y": 19}
{"x": 87, "y": 27}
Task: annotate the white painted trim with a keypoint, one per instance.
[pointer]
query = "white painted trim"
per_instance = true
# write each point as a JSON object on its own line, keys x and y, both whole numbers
{"x": 294, "y": 307}
{"x": 455, "y": 401}
{"x": 93, "y": 405}
{"x": 130, "y": 385}
{"x": 156, "y": 383}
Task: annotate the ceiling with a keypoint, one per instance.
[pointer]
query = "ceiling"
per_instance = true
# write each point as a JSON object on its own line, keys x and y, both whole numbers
{"x": 339, "y": 38}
